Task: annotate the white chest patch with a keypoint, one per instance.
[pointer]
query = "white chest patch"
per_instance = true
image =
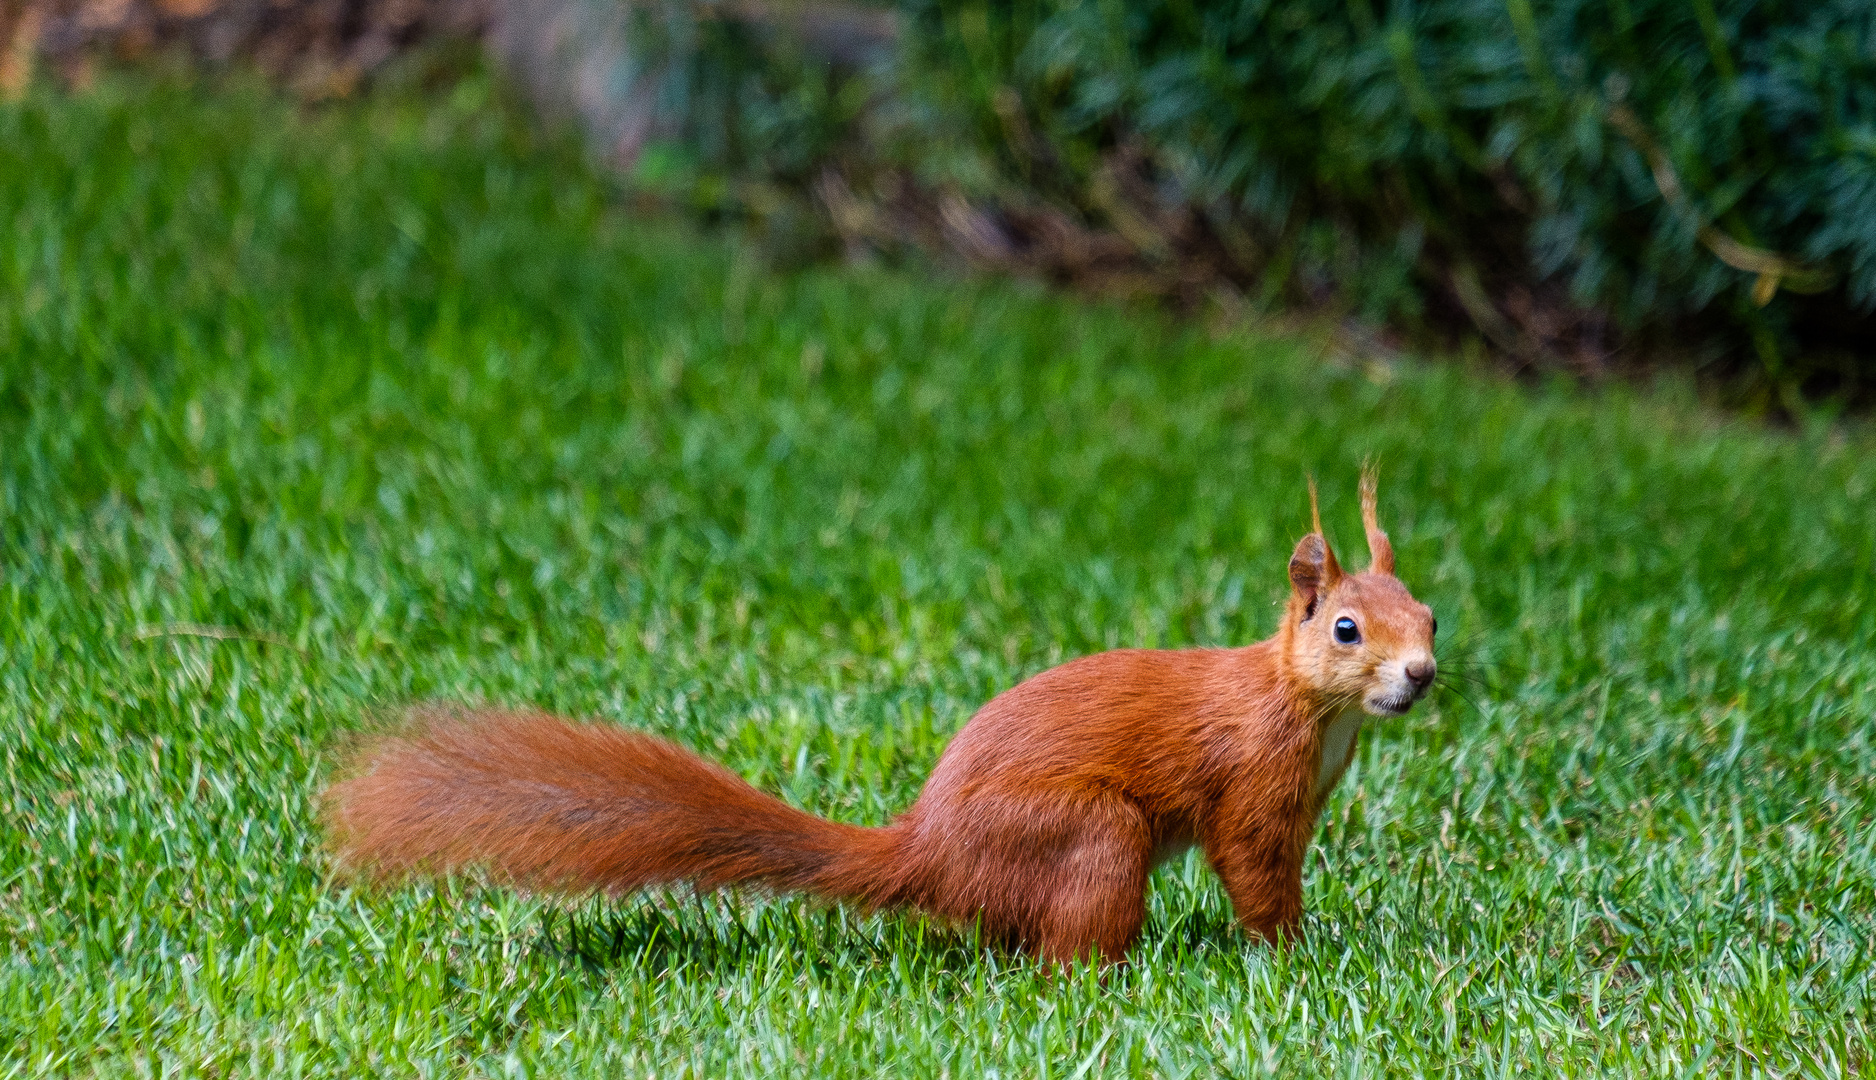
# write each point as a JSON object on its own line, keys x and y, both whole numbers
{"x": 1338, "y": 739}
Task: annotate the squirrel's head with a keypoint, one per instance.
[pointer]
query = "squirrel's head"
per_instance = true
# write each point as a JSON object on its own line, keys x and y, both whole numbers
{"x": 1358, "y": 637}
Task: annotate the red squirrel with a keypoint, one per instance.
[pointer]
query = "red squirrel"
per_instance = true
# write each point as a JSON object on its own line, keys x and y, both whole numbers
{"x": 1040, "y": 823}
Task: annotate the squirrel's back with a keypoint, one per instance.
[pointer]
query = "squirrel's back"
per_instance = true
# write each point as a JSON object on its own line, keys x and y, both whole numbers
{"x": 1141, "y": 722}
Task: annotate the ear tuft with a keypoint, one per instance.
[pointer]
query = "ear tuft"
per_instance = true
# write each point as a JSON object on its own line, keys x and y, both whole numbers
{"x": 1331, "y": 570}
{"x": 1380, "y": 550}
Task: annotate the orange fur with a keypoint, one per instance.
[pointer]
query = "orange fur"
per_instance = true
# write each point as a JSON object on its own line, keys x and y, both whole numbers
{"x": 1040, "y": 822}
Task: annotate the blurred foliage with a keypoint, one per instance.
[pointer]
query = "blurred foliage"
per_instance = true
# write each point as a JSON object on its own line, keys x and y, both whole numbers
{"x": 1577, "y": 183}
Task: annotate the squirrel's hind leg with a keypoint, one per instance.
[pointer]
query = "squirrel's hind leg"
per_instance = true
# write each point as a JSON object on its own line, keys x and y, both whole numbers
{"x": 1096, "y": 898}
{"x": 1061, "y": 879}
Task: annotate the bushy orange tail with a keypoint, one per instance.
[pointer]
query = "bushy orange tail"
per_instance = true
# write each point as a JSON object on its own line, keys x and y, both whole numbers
{"x": 550, "y": 804}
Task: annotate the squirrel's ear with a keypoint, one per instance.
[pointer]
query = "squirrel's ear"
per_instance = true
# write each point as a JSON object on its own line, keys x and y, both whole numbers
{"x": 1380, "y": 551}
{"x": 1313, "y": 569}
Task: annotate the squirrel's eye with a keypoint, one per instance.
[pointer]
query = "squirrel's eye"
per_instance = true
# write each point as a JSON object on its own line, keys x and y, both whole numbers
{"x": 1436, "y": 624}
{"x": 1345, "y": 631}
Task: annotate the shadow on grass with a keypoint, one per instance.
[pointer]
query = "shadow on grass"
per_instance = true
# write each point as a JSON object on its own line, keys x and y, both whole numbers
{"x": 720, "y": 933}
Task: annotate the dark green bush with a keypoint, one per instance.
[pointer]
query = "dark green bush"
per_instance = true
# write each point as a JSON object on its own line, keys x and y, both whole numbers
{"x": 1572, "y": 178}
{"x": 1407, "y": 150}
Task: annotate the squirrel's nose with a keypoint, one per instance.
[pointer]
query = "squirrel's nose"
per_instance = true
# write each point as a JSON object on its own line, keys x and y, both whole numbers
{"x": 1420, "y": 673}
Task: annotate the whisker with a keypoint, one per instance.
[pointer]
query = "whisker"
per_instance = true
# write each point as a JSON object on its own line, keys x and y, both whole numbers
{"x": 1461, "y": 694}
{"x": 1466, "y": 656}
{"x": 1465, "y": 640}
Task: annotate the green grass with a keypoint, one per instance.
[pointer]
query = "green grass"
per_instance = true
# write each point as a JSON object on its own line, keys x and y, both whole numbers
{"x": 408, "y": 398}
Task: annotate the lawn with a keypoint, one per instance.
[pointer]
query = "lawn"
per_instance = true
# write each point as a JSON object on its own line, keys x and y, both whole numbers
{"x": 406, "y": 405}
